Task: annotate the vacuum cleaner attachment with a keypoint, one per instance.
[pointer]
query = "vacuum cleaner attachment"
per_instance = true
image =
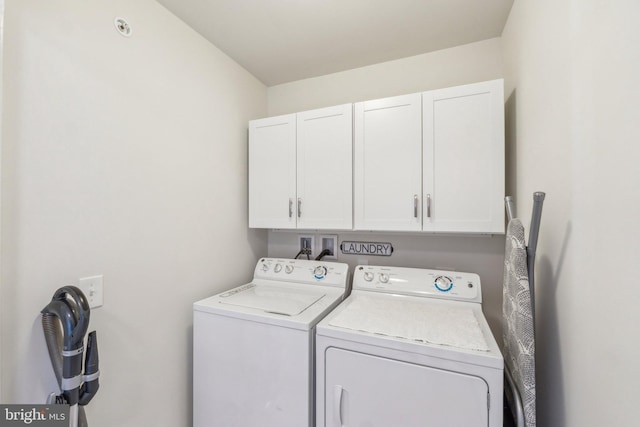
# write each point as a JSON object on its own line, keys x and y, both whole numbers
{"x": 65, "y": 321}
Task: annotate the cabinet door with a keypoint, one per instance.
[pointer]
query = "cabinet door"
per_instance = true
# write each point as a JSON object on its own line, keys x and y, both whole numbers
{"x": 272, "y": 172}
{"x": 324, "y": 153}
{"x": 366, "y": 390}
{"x": 387, "y": 164}
{"x": 463, "y": 165}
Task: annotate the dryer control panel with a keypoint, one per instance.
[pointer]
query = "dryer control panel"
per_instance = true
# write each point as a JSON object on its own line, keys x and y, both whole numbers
{"x": 302, "y": 271}
{"x": 418, "y": 282}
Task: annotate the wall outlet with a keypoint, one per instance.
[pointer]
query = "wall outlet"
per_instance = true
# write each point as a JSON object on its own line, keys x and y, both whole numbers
{"x": 306, "y": 244}
{"x": 92, "y": 288}
{"x": 329, "y": 242}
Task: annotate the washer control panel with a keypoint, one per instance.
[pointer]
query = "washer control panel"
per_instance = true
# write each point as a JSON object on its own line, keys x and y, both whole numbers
{"x": 302, "y": 271}
{"x": 418, "y": 282}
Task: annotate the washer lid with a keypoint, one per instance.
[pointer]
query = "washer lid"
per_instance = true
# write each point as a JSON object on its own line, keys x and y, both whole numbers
{"x": 277, "y": 303}
{"x": 271, "y": 299}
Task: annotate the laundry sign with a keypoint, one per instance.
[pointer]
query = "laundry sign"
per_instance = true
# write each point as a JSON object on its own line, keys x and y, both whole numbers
{"x": 366, "y": 248}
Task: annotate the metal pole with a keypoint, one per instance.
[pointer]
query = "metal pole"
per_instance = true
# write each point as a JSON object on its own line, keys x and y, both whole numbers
{"x": 534, "y": 229}
{"x": 511, "y": 207}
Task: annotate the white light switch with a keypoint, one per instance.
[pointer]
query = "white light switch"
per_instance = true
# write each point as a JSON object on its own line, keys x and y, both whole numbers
{"x": 92, "y": 288}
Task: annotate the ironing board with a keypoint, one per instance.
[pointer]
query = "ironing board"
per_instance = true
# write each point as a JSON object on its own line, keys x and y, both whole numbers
{"x": 518, "y": 311}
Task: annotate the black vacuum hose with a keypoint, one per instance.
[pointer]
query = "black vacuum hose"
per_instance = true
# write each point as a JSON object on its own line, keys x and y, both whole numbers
{"x": 65, "y": 321}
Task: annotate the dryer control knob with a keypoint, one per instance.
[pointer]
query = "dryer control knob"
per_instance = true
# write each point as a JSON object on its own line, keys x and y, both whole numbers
{"x": 277, "y": 268}
{"x": 443, "y": 283}
{"x": 319, "y": 272}
{"x": 368, "y": 276}
{"x": 384, "y": 278}
{"x": 288, "y": 269}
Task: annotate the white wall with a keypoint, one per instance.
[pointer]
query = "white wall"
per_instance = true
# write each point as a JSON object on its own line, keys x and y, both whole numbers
{"x": 571, "y": 71}
{"x": 469, "y": 63}
{"x": 124, "y": 157}
{"x": 450, "y": 67}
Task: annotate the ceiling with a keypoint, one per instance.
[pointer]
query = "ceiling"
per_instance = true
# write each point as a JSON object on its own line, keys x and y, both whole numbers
{"x": 280, "y": 41}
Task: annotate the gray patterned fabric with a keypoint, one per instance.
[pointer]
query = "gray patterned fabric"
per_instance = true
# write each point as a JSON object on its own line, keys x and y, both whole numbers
{"x": 518, "y": 322}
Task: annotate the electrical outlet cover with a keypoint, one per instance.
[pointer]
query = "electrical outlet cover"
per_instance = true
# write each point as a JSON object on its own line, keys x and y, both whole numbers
{"x": 93, "y": 290}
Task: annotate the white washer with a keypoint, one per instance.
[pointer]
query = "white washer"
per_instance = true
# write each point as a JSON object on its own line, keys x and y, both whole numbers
{"x": 409, "y": 347}
{"x": 253, "y": 345}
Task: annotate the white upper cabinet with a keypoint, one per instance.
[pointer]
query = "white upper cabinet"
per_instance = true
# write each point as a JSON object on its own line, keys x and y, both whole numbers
{"x": 272, "y": 172}
{"x": 431, "y": 161}
{"x": 463, "y": 158}
{"x": 387, "y": 164}
{"x": 325, "y": 168}
{"x": 300, "y": 170}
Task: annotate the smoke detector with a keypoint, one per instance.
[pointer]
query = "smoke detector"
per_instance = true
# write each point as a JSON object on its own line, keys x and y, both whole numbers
{"x": 123, "y": 27}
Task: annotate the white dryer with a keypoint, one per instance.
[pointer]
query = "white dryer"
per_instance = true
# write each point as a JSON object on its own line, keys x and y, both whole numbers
{"x": 253, "y": 358}
{"x": 409, "y": 347}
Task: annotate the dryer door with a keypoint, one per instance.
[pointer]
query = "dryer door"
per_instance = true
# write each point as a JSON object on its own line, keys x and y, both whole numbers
{"x": 366, "y": 390}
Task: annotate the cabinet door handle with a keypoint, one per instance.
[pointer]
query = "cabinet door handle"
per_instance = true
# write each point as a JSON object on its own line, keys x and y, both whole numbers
{"x": 299, "y": 206}
{"x": 428, "y": 205}
{"x": 290, "y": 208}
{"x": 415, "y": 206}
{"x": 337, "y": 405}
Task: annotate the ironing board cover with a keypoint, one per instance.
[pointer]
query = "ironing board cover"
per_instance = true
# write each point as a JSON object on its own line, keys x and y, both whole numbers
{"x": 518, "y": 327}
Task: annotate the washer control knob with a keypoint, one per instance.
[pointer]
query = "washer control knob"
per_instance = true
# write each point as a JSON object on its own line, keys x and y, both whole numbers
{"x": 368, "y": 276}
{"x": 443, "y": 283}
{"x": 277, "y": 268}
{"x": 384, "y": 278}
{"x": 320, "y": 272}
{"x": 288, "y": 269}
{"x": 265, "y": 267}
